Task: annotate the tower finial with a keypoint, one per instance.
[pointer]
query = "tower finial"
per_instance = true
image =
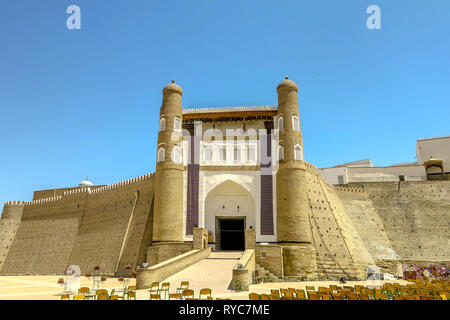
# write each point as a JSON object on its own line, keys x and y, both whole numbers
{"x": 173, "y": 81}
{"x": 286, "y": 77}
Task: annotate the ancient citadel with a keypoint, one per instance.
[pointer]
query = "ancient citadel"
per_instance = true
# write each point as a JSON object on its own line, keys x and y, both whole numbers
{"x": 250, "y": 190}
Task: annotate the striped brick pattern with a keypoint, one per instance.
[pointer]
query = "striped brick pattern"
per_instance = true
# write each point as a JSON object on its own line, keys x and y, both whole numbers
{"x": 193, "y": 186}
{"x": 267, "y": 189}
{"x": 266, "y": 205}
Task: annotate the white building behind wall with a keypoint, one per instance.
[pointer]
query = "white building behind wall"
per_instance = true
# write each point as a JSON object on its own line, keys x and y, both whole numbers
{"x": 433, "y": 162}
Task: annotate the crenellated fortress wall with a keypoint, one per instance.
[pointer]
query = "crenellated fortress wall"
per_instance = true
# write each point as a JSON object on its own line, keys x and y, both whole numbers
{"x": 324, "y": 231}
{"x": 102, "y": 226}
{"x": 358, "y": 225}
{"x": 352, "y": 226}
{"x": 340, "y": 251}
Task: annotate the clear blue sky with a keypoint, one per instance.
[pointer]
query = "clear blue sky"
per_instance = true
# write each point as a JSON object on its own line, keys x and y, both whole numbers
{"x": 77, "y": 103}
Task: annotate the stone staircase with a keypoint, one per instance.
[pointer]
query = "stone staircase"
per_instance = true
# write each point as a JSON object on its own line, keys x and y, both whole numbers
{"x": 327, "y": 269}
{"x": 262, "y": 272}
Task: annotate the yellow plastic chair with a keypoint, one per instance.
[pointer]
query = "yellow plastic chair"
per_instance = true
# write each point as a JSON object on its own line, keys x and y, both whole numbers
{"x": 364, "y": 296}
{"x": 204, "y": 292}
{"x": 313, "y": 296}
{"x": 183, "y": 286}
{"x": 284, "y": 292}
{"x": 352, "y": 296}
{"x": 348, "y": 289}
{"x": 188, "y": 294}
{"x": 253, "y": 296}
{"x": 336, "y": 296}
{"x": 154, "y": 288}
{"x": 79, "y": 297}
{"x": 102, "y": 297}
{"x": 165, "y": 288}
{"x": 275, "y": 292}
{"x": 131, "y": 294}
{"x": 65, "y": 297}
{"x": 84, "y": 290}
{"x": 293, "y": 292}
{"x": 324, "y": 296}
{"x": 358, "y": 288}
{"x": 155, "y": 296}
{"x": 324, "y": 289}
{"x": 100, "y": 292}
{"x": 301, "y": 294}
{"x": 128, "y": 289}
{"x": 382, "y": 296}
{"x": 176, "y": 296}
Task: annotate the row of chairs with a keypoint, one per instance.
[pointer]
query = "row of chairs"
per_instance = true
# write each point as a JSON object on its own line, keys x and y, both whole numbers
{"x": 424, "y": 290}
{"x": 85, "y": 293}
{"x": 389, "y": 291}
{"x": 395, "y": 291}
{"x": 182, "y": 292}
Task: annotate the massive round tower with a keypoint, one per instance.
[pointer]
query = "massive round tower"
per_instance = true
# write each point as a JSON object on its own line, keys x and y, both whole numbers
{"x": 292, "y": 200}
{"x": 168, "y": 210}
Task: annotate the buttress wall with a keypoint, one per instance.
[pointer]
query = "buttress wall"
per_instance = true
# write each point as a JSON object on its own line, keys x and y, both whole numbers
{"x": 103, "y": 230}
{"x": 104, "y": 226}
{"x": 340, "y": 251}
{"x": 370, "y": 226}
{"x": 9, "y": 223}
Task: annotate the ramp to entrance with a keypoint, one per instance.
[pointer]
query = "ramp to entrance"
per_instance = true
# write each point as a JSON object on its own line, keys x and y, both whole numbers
{"x": 214, "y": 272}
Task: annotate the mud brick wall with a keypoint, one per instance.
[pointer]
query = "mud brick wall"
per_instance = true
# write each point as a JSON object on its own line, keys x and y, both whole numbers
{"x": 416, "y": 218}
{"x": 299, "y": 259}
{"x": 270, "y": 257}
{"x": 339, "y": 248}
{"x": 45, "y": 237}
{"x": 9, "y": 223}
{"x": 103, "y": 229}
{"x": 105, "y": 226}
{"x": 163, "y": 252}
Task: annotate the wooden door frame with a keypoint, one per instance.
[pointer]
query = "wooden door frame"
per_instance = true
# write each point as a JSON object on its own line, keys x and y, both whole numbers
{"x": 217, "y": 235}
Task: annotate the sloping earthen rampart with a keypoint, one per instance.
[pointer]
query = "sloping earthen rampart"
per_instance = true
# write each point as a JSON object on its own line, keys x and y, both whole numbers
{"x": 102, "y": 226}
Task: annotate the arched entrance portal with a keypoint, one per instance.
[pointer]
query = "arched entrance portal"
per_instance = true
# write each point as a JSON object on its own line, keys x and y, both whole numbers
{"x": 229, "y": 210}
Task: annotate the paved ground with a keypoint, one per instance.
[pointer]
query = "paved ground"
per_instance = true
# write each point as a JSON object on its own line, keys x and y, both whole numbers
{"x": 46, "y": 287}
{"x": 43, "y": 287}
{"x": 214, "y": 272}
